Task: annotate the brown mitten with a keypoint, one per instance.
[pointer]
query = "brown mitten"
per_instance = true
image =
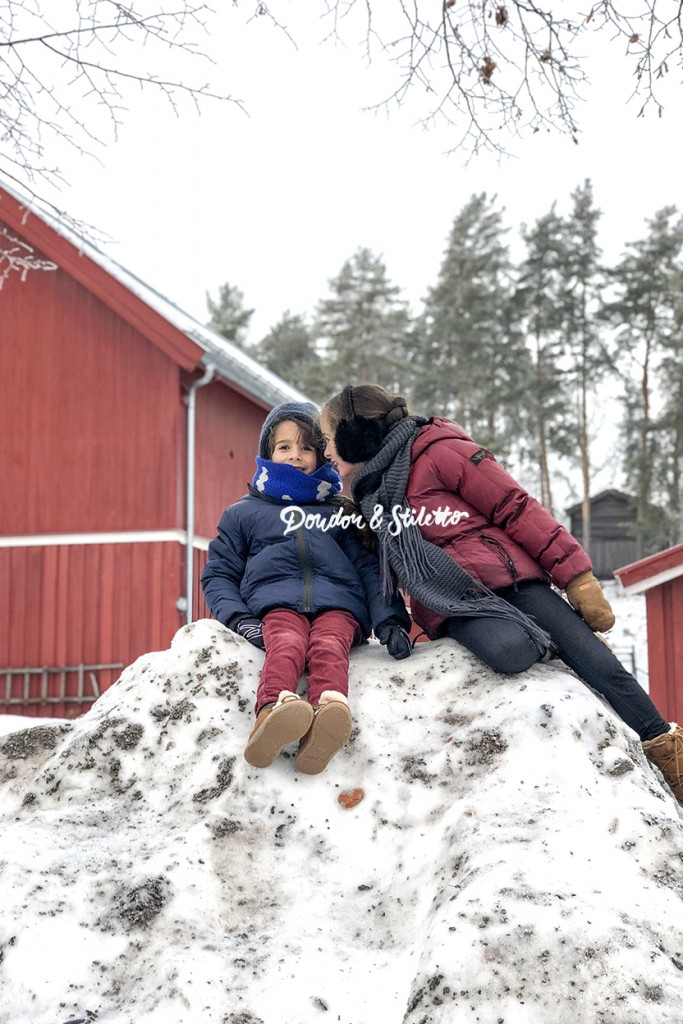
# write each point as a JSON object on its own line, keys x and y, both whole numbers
{"x": 586, "y": 596}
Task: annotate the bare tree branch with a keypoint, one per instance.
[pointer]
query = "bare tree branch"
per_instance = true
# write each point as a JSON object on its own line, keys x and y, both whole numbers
{"x": 63, "y": 65}
{"x": 487, "y": 69}
{"x": 484, "y": 66}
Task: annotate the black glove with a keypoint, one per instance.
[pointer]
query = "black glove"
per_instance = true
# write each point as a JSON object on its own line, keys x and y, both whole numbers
{"x": 251, "y": 629}
{"x": 396, "y": 640}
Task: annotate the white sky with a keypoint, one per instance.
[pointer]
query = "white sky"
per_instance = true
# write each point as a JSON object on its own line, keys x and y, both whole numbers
{"x": 276, "y": 201}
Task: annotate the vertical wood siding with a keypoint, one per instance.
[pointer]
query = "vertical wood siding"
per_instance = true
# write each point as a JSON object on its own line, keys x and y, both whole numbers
{"x": 664, "y": 605}
{"x": 92, "y": 415}
{"x": 228, "y": 430}
{"x": 93, "y": 421}
{"x": 199, "y": 609}
{"x": 84, "y": 604}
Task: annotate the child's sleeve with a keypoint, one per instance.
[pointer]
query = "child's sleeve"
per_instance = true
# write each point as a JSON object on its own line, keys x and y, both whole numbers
{"x": 383, "y": 611}
{"x": 224, "y": 569}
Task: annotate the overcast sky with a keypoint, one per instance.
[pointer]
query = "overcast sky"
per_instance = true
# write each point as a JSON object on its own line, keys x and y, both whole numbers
{"x": 273, "y": 201}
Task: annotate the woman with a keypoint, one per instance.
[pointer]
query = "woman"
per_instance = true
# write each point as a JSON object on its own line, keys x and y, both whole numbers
{"x": 477, "y": 554}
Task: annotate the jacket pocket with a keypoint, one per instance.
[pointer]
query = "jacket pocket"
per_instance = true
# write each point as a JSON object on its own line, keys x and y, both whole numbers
{"x": 503, "y": 554}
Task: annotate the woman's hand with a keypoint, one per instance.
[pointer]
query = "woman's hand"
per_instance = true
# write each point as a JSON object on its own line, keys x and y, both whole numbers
{"x": 586, "y": 597}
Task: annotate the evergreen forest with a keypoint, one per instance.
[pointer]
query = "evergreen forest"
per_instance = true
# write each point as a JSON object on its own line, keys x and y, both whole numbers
{"x": 556, "y": 361}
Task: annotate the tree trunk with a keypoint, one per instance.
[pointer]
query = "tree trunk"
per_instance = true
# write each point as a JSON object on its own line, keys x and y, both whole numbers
{"x": 585, "y": 466}
{"x": 645, "y": 471}
{"x": 544, "y": 469}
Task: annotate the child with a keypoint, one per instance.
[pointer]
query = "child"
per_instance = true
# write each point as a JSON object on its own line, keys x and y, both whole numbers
{"x": 305, "y": 591}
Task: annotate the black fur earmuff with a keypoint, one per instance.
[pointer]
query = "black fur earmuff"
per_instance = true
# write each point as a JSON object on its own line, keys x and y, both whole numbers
{"x": 357, "y": 439}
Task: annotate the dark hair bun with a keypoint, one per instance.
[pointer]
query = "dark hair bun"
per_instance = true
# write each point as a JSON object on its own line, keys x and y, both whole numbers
{"x": 397, "y": 412}
{"x": 358, "y": 439}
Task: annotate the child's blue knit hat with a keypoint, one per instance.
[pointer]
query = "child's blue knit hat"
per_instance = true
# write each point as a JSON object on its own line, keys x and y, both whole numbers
{"x": 306, "y": 412}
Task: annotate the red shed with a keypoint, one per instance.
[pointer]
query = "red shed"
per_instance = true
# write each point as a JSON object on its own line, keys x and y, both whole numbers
{"x": 660, "y": 578}
{"x": 116, "y": 408}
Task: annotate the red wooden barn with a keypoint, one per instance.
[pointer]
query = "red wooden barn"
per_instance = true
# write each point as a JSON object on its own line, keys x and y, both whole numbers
{"x": 116, "y": 406}
{"x": 660, "y": 578}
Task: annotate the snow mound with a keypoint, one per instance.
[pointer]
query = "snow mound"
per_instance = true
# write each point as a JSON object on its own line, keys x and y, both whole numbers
{"x": 509, "y": 857}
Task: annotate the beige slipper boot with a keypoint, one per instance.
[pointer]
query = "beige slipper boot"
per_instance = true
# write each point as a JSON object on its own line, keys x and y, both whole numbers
{"x": 329, "y": 732}
{"x": 277, "y": 725}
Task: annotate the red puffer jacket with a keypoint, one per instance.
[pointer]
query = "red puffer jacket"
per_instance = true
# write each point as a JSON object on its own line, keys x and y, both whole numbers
{"x": 496, "y": 531}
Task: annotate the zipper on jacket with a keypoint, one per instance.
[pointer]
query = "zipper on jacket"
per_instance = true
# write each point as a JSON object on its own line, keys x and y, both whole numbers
{"x": 504, "y": 556}
{"x": 305, "y": 562}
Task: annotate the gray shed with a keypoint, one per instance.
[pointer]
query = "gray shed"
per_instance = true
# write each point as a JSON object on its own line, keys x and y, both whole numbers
{"x": 613, "y": 541}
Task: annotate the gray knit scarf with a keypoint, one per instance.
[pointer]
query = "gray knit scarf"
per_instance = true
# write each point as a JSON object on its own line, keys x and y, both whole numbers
{"x": 421, "y": 568}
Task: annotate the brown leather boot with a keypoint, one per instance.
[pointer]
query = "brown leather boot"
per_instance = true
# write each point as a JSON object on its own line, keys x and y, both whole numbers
{"x": 277, "y": 725}
{"x": 329, "y": 732}
{"x": 666, "y": 752}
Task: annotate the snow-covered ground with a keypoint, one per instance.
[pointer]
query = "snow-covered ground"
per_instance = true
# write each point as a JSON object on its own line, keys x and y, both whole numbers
{"x": 628, "y": 638}
{"x": 509, "y": 857}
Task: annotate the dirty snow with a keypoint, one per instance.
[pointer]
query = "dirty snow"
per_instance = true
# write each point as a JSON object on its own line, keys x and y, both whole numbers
{"x": 513, "y": 859}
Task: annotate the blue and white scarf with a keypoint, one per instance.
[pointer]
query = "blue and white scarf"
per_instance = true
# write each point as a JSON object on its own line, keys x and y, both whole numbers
{"x": 286, "y": 483}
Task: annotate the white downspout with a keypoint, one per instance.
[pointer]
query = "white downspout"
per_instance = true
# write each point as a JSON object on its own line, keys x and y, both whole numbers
{"x": 189, "y": 528}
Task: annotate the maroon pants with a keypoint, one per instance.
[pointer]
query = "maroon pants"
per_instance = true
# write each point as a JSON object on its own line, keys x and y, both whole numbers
{"x": 294, "y": 643}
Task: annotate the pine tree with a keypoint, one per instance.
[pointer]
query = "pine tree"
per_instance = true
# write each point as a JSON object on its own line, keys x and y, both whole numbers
{"x": 670, "y": 378}
{"x": 587, "y": 356}
{"x": 288, "y": 350}
{"x": 537, "y": 311}
{"x": 470, "y": 362}
{"x": 363, "y": 328}
{"x": 645, "y": 311}
{"x": 229, "y": 316}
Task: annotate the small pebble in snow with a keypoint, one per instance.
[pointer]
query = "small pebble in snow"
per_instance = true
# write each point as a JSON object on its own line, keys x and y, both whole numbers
{"x": 350, "y": 798}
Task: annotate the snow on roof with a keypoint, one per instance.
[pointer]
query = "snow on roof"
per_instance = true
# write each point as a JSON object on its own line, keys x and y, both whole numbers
{"x": 230, "y": 362}
{"x": 502, "y": 852}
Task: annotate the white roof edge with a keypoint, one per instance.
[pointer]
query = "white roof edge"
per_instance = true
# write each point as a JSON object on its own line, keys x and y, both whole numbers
{"x": 654, "y": 581}
{"x": 231, "y": 362}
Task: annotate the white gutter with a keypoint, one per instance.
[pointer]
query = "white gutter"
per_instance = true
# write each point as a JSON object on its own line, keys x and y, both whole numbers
{"x": 48, "y": 540}
{"x": 189, "y": 545}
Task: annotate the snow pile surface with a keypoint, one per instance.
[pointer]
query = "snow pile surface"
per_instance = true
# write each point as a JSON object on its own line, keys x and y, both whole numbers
{"x": 513, "y": 859}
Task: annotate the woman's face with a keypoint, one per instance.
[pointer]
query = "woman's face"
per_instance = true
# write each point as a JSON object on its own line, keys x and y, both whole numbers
{"x": 346, "y": 470}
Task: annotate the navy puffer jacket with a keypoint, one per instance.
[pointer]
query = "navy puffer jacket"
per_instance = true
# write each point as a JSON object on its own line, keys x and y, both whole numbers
{"x": 254, "y": 567}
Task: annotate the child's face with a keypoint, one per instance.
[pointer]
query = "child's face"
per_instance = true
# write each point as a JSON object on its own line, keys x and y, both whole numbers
{"x": 289, "y": 448}
{"x": 346, "y": 470}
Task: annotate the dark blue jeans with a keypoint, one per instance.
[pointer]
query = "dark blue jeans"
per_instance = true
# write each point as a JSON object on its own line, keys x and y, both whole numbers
{"x": 506, "y": 648}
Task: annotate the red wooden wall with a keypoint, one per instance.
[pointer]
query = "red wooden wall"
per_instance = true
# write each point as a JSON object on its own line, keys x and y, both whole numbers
{"x": 93, "y": 419}
{"x": 199, "y": 609}
{"x": 227, "y": 445}
{"x": 92, "y": 415}
{"x": 83, "y": 604}
{"x": 660, "y": 577}
{"x": 664, "y": 606}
